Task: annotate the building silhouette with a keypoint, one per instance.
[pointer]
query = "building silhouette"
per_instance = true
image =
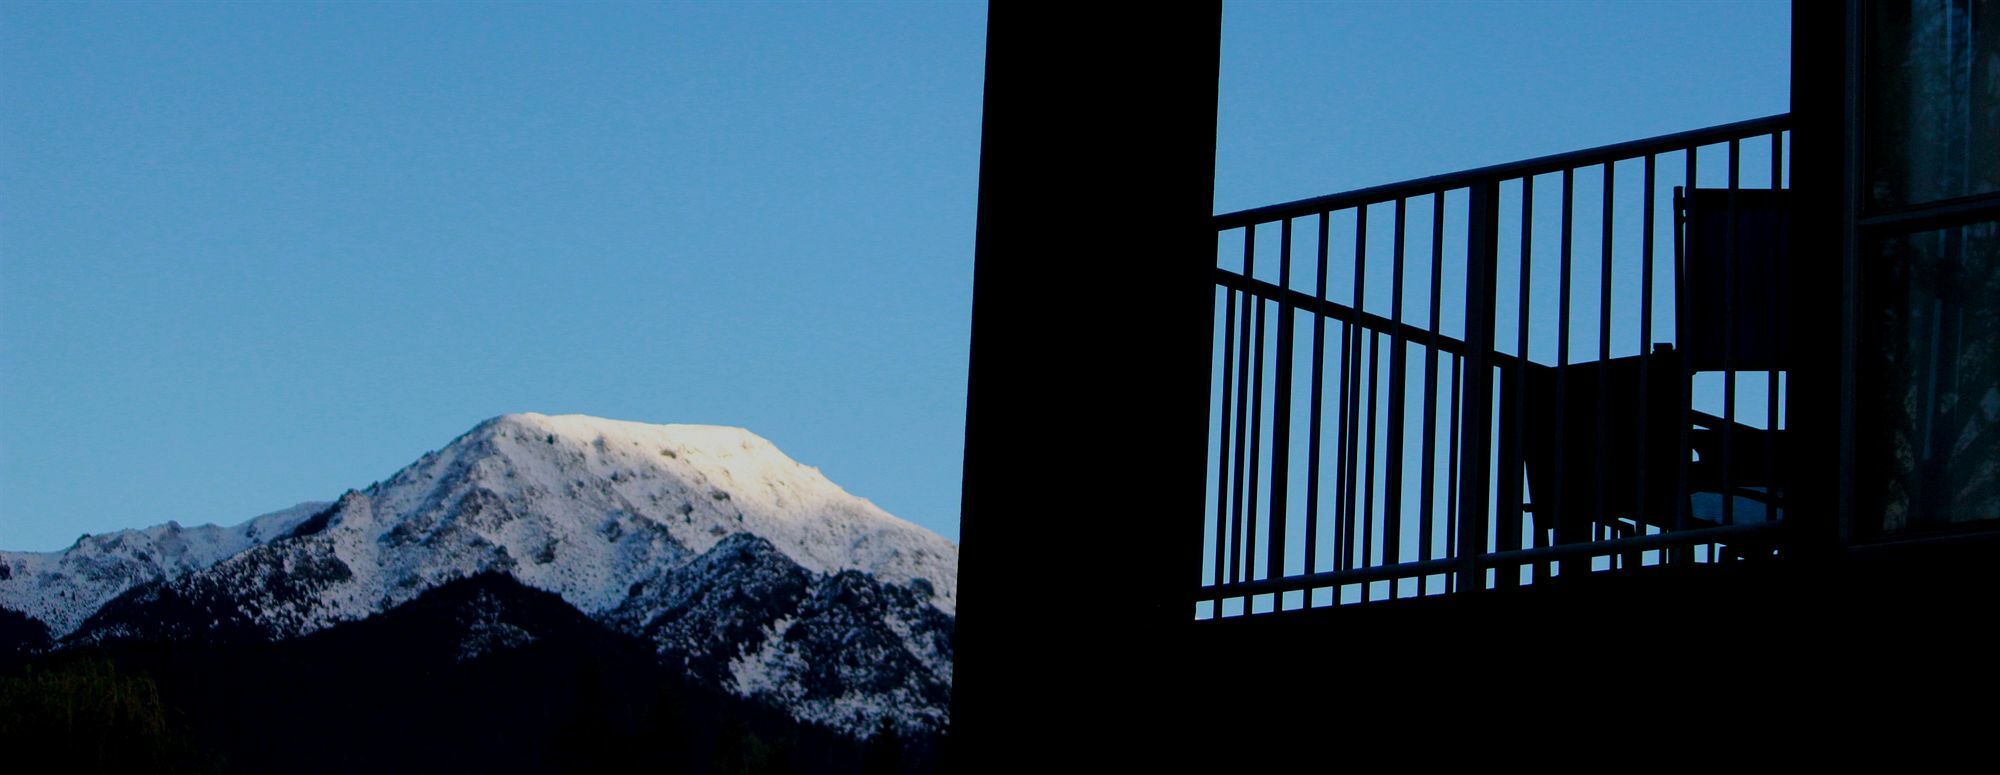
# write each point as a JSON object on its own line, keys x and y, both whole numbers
{"x": 1669, "y": 439}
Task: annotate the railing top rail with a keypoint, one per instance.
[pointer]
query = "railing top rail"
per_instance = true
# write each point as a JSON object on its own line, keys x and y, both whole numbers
{"x": 1536, "y": 166}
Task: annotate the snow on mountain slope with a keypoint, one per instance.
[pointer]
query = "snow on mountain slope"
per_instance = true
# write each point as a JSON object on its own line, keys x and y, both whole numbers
{"x": 842, "y": 649}
{"x": 62, "y": 588}
{"x": 853, "y": 654}
{"x": 706, "y": 482}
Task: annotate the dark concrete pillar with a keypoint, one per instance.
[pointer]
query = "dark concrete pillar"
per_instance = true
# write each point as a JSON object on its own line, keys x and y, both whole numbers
{"x": 1086, "y": 413}
{"x": 1820, "y": 400}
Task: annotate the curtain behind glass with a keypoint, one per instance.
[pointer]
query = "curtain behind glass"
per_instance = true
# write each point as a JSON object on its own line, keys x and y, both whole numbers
{"x": 1933, "y": 101}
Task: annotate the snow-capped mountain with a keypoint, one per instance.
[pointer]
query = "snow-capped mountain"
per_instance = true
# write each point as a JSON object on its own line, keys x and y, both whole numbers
{"x": 754, "y": 572}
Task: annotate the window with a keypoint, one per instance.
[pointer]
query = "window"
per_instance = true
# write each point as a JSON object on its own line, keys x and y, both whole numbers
{"x": 1933, "y": 111}
{"x": 1933, "y": 428}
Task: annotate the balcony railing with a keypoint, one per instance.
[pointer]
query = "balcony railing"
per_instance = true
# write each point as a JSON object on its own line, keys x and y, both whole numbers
{"x": 1501, "y": 377}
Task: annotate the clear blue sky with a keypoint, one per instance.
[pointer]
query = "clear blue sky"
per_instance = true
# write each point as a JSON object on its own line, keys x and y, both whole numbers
{"x": 257, "y": 254}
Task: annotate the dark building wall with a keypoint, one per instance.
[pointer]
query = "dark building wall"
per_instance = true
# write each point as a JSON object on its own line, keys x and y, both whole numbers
{"x": 1091, "y": 299}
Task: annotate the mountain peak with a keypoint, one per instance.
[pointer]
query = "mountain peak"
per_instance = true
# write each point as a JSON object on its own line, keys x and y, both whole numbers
{"x": 749, "y": 455}
{"x": 587, "y": 428}
{"x": 700, "y": 483}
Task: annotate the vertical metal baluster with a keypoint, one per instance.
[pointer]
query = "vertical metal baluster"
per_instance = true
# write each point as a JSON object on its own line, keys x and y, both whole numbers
{"x": 1645, "y": 349}
{"x": 1222, "y": 460}
{"x": 1481, "y": 268}
{"x": 1354, "y": 394}
{"x": 1281, "y": 422}
{"x": 1342, "y": 430}
{"x": 1518, "y": 387}
{"x": 1560, "y": 519}
{"x": 1368, "y": 469}
{"x": 1426, "y": 511}
{"x": 1257, "y": 475}
{"x": 1606, "y": 264}
{"x": 1729, "y": 339}
{"x": 1313, "y": 418}
{"x": 1451, "y": 470}
{"x": 1368, "y": 512}
{"x": 1392, "y": 510}
{"x": 1242, "y": 411}
{"x": 1684, "y": 380}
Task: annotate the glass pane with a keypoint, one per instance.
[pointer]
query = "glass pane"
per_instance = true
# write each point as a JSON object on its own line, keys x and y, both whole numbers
{"x": 1930, "y": 406}
{"x": 1933, "y": 104}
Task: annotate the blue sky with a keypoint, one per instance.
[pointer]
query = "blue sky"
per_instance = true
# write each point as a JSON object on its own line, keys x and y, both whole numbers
{"x": 257, "y": 254}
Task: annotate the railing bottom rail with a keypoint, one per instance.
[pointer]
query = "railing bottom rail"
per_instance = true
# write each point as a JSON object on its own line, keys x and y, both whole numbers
{"x": 1515, "y": 559}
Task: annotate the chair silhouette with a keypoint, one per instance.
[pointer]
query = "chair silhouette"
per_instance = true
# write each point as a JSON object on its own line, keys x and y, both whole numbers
{"x": 1616, "y": 445}
{"x": 1734, "y": 315}
{"x": 1600, "y": 442}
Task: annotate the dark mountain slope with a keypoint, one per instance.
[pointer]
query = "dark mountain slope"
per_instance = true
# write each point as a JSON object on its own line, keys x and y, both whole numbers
{"x": 482, "y": 674}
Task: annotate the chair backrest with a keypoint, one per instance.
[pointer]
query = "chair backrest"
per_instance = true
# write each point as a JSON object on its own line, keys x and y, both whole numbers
{"x": 1580, "y": 452}
{"x": 1735, "y": 299}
